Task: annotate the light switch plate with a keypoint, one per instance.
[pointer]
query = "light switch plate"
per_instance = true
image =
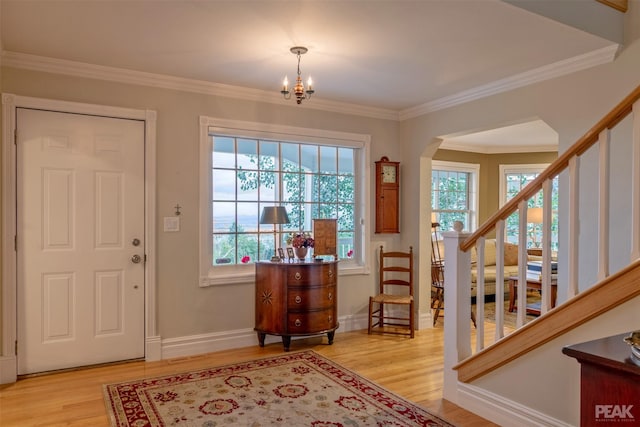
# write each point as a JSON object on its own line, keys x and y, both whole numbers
{"x": 171, "y": 223}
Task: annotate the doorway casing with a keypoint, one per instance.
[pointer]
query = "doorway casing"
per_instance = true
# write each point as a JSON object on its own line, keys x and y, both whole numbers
{"x": 10, "y": 102}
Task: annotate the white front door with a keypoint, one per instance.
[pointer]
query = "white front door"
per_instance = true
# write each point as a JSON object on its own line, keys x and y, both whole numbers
{"x": 80, "y": 227}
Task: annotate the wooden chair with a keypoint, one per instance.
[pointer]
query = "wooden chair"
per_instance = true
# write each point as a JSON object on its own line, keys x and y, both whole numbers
{"x": 437, "y": 276}
{"x": 395, "y": 288}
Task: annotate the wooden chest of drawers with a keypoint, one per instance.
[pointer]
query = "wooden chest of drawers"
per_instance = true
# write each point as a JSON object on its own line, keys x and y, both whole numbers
{"x": 296, "y": 299}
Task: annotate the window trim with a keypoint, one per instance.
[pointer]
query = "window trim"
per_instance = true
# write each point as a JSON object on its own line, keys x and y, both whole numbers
{"x": 474, "y": 170}
{"x": 210, "y": 275}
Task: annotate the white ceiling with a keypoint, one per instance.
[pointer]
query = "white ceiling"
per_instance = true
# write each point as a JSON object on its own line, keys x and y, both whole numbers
{"x": 534, "y": 135}
{"x": 393, "y": 56}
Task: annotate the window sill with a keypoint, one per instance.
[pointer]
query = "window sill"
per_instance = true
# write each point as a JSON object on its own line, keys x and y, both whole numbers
{"x": 247, "y": 277}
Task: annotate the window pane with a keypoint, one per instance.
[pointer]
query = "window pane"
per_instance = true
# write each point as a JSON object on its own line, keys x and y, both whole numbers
{"x": 345, "y": 244}
{"x": 290, "y": 157}
{"x": 247, "y": 182}
{"x": 328, "y": 160}
{"x": 451, "y": 197}
{"x": 309, "y": 155}
{"x": 327, "y": 189}
{"x": 268, "y": 155}
{"x": 247, "y": 154}
{"x": 223, "y": 155}
{"x": 224, "y": 249}
{"x": 248, "y": 216}
{"x": 223, "y": 184}
{"x": 224, "y": 216}
{"x": 345, "y": 161}
{"x": 267, "y": 186}
{"x": 248, "y": 247}
{"x": 346, "y": 188}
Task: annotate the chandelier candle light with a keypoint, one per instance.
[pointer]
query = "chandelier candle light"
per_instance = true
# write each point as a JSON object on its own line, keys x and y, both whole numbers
{"x": 298, "y": 89}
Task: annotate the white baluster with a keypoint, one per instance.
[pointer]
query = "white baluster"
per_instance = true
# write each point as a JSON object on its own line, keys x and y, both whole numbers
{"x": 480, "y": 294}
{"x": 574, "y": 226}
{"x": 522, "y": 264}
{"x": 603, "y": 205}
{"x": 547, "y": 209}
{"x": 499, "y": 279}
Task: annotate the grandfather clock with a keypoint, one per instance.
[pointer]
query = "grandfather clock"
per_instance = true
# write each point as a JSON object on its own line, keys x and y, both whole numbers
{"x": 387, "y": 196}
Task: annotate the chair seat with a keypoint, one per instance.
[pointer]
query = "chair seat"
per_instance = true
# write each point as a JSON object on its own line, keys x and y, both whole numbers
{"x": 393, "y": 299}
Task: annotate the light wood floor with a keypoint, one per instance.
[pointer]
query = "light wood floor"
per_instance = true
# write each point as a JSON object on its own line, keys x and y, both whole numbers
{"x": 410, "y": 368}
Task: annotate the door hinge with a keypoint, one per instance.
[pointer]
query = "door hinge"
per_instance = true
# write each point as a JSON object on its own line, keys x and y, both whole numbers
{"x": 15, "y": 136}
{"x": 15, "y": 243}
{"x": 145, "y": 257}
{"x": 16, "y": 349}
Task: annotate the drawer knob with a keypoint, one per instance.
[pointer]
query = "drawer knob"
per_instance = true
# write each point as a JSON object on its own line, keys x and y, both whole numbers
{"x": 298, "y": 322}
{"x": 298, "y": 276}
{"x": 330, "y": 296}
{"x": 330, "y": 319}
{"x": 330, "y": 273}
{"x": 298, "y": 299}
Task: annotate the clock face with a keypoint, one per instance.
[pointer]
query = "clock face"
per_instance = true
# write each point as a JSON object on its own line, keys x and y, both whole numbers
{"x": 389, "y": 174}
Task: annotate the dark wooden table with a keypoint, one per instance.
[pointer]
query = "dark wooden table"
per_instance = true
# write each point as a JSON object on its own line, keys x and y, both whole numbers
{"x": 609, "y": 382}
{"x": 531, "y": 284}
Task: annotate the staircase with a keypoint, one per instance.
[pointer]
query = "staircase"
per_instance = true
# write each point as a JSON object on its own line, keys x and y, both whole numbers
{"x": 511, "y": 380}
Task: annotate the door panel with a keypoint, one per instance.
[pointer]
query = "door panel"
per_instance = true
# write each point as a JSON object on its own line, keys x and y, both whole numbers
{"x": 80, "y": 191}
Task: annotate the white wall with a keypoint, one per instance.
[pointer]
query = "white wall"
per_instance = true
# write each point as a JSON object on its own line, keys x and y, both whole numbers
{"x": 571, "y": 105}
{"x": 185, "y": 309}
{"x": 547, "y": 381}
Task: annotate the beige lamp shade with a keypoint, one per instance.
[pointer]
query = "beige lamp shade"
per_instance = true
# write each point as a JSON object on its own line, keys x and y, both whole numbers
{"x": 534, "y": 215}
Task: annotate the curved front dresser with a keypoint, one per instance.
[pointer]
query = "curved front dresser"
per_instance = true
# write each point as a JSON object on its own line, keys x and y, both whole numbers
{"x": 296, "y": 299}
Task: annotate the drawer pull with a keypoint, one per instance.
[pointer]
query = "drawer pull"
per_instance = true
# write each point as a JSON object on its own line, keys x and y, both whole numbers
{"x": 330, "y": 273}
{"x": 330, "y": 319}
{"x": 298, "y": 299}
{"x": 330, "y": 296}
{"x": 298, "y": 276}
{"x": 298, "y": 322}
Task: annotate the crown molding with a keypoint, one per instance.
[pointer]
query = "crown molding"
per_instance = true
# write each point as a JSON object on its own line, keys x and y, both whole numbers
{"x": 498, "y": 149}
{"x": 120, "y": 75}
{"x": 557, "y": 69}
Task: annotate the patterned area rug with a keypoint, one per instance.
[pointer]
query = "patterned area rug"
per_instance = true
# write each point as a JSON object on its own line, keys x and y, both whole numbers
{"x": 295, "y": 389}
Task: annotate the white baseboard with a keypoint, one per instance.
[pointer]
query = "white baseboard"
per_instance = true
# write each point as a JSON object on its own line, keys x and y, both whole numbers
{"x": 8, "y": 369}
{"x": 502, "y": 411}
{"x": 218, "y": 341}
{"x": 153, "y": 349}
{"x": 425, "y": 320}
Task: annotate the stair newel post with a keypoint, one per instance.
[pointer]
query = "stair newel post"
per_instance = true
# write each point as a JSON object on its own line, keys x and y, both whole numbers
{"x": 457, "y": 303}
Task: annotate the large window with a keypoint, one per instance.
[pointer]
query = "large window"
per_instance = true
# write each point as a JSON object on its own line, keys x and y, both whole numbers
{"x": 313, "y": 174}
{"x": 513, "y": 178}
{"x": 454, "y": 194}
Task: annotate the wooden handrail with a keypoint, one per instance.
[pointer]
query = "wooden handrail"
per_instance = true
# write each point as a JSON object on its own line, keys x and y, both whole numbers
{"x": 622, "y": 110}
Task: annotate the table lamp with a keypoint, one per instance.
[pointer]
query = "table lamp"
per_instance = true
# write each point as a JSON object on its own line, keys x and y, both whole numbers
{"x": 274, "y": 215}
{"x": 534, "y": 216}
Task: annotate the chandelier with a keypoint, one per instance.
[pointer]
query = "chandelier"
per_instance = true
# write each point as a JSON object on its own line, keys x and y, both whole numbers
{"x": 298, "y": 90}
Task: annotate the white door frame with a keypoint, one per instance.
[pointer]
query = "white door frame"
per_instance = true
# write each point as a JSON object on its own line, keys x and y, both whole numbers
{"x": 8, "y": 351}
